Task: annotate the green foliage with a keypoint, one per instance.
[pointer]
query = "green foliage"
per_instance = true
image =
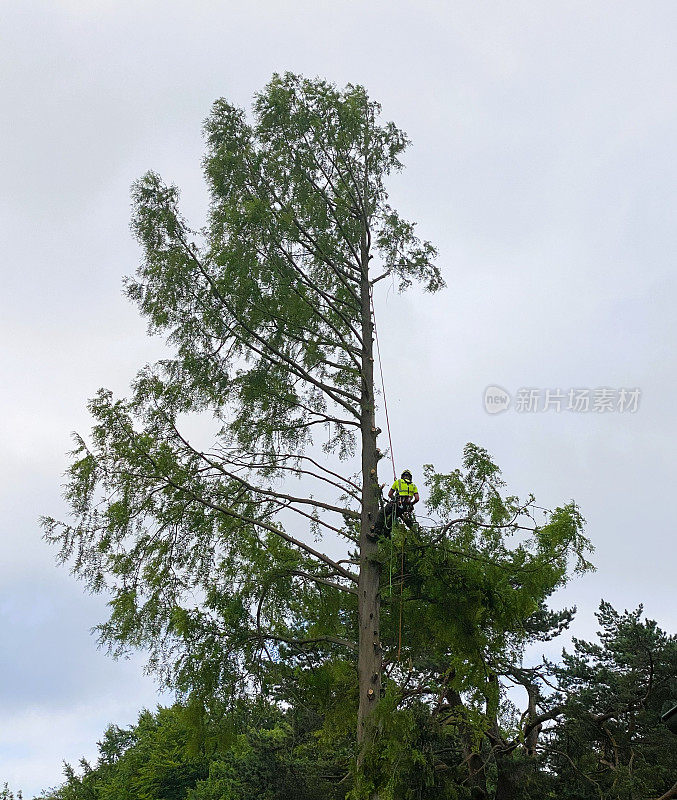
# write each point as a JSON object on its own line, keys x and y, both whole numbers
{"x": 215, "y": 555}
{"x": 472, "y": 589}
{"x": 264, "y": 310}
{"x": 264, "y": 313}
{"x": 187, "y": 752}
{"x": 409, "y": 756}
{"x": 604, "y": 738}
{"x": 611, "y": 742}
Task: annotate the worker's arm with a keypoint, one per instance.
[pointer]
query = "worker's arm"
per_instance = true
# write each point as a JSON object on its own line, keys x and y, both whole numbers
{"x": 416, "y": 499}
{"x": 391, "y": 493}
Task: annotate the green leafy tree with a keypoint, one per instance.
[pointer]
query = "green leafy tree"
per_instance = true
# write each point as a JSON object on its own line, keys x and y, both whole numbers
{"x": 591, "y": 726}
{"x": 190, "y": 752}
{"x": 267, "y": 309}
{"x": 591, "y": 729}
{"x": 468, "y": 595}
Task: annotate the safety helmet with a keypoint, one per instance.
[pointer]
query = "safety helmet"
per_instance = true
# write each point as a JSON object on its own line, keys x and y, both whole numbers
{"x": 405, "y": 473}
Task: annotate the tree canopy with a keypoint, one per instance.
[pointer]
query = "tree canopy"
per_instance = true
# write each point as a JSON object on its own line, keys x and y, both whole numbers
{"x": 268, "y": 311}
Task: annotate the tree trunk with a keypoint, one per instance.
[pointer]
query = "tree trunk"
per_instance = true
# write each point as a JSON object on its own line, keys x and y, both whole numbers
{"x": 369, "y": 653}
{"x": 477, "y": 778}
{"x": 513, "y": 774}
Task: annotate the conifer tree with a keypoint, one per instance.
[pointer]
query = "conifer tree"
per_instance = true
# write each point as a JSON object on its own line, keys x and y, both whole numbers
{"x": 267, "y": 309}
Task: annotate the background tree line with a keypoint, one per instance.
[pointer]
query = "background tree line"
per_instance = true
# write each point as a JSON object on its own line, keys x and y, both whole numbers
{"x": 589, "y": 728}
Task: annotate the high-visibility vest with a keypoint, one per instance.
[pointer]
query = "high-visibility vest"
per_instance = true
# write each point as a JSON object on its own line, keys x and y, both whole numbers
{"x": 404, "y": 488}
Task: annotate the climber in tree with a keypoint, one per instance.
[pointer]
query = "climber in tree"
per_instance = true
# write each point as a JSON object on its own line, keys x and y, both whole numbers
{"x": 404, "y": 493}
{"x": 402, "y": 498}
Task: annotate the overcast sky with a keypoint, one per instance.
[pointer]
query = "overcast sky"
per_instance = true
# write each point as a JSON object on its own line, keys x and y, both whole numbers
{"x": 542, "y": 166}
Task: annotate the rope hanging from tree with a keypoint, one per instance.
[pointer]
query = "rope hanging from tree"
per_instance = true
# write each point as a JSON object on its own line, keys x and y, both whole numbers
{"x": 392, "y": 461}
{"x": 383, "y": 385}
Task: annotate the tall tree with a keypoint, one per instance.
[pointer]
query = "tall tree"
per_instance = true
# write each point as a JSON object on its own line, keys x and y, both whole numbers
{"x": 267, "y": 309}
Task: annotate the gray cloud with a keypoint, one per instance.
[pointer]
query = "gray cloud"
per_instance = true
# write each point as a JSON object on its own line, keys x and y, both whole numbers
{"x": 541, "y": 164}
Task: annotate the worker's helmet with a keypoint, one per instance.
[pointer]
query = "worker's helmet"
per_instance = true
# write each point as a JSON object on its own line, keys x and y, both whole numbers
{"x": 406, "y": 475}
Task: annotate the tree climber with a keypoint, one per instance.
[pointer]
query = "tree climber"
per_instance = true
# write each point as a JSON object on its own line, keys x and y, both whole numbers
{"x": 404, "y": 494}
{"x": 404, "y": 488}
{"x": 402, "y": 498}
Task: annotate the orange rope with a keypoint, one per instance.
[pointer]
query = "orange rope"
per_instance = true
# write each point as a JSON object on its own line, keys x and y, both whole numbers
{"x": 392, "y": 460}
{"x": 383, "y": 385}
{"x": 399, "y": 641}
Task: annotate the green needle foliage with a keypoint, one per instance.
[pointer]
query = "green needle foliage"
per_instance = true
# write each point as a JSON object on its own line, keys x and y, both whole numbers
{"x": 468, "y": 596}
{"x": 245, "y": 565}
{"x": 610, "y": 741}
{"x": 206, "y": 550}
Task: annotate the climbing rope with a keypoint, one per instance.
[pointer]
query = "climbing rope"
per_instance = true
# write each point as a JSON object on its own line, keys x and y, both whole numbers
{"x": 399, "y": 638}
{"x": 393, "y": 515}
{"x": 393, "y": 511}
{"x": 383, "y": 385}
